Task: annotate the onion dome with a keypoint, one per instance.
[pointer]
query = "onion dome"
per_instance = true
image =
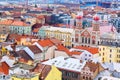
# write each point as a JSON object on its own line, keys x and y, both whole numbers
{"x": 79, "y": 17}
{"x": 96, "y": 18}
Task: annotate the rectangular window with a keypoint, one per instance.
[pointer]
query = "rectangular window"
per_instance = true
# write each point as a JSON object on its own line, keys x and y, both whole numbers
{"x": 103, "y": 48}
{"x": 110, "y": 56}
{"x": 110, "y": 61}
{"x": 103, "y": 54}
{"x": 103, "y": 59}
{"x": 99, "y": 54}
{"x": 110, "y": 50}
{"x": 100, "y": 49}
{"x": 76, "y": 39}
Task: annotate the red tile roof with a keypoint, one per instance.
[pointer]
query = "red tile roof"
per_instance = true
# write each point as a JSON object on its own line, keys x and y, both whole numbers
{"x": 19, "y": 37}
{"x": 40, "y": 17}
{"x": 45, "y": 43}
{"x": 62, "y": 48}
{"x": 93, "y": 66}
{"x": 6, "y": 22}
{"x": 92, "y": 50}
{"x": 19, "y": 23}
{"x": 75, "y": 53}
{"x": 4, "y": 68}
{"x": 35, "y": 30}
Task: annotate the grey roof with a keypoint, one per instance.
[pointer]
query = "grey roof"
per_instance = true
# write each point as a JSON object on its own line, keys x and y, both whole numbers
{"x": 106, "y": 43}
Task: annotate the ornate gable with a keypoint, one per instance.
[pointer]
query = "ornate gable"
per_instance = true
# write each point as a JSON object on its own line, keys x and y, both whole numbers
{"x": 85, "y": 33}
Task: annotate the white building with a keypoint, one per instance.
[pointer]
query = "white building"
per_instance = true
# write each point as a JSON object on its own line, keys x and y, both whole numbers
{"x": 66, "y": 63}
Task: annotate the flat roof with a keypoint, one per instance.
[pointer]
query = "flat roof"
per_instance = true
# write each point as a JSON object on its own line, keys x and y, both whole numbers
{"x": 67, "y": 63}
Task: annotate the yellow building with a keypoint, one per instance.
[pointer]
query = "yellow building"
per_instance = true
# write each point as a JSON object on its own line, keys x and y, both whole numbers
{"x": 109, "y": 52}
{"x": 63, "y": 34}
{"x": 25, "y": 77}
{"x": 54, "y": 72}
{"x": 47, "y": 72}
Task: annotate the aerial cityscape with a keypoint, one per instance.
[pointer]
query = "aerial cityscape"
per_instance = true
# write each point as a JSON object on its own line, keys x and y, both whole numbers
{"x": 59, "y": 39}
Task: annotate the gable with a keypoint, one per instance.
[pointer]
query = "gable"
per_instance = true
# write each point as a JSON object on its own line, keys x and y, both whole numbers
{"x": 85, "y": 33}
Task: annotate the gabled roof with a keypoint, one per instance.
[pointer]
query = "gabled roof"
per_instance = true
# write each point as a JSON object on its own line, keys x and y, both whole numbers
{"x": 43, "y": 69}
{"x": 6, "y": 22}
{"x": 62, "y": 48}
{"x": 19, "y": 23}
{"x": 4, "y": 68}
{"x": 45, "y": 43}
{"x": 18, "y": 37}
{"x": 24, "y": 55}
{"x": 34, "y": 49}
{"x": 93, "y": 66}
{"x": 85, "y": 33}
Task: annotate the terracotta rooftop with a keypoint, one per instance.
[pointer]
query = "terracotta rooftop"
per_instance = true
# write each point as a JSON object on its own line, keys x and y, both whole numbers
{"x": 6, "y": 22}
{"x": 93, "y": 66}
{"x": 40, "y": 17}
{"x": 92, "y": 50}
{"x": 19, "y": 37}
{"x": 36, "y": 30}
{"x": 75, "y": 53}
{"x": 4, "y": 68}
{"x": 19, "y": 23}
{"x": 45, "y": 43}
{"x": 62, "y": 48}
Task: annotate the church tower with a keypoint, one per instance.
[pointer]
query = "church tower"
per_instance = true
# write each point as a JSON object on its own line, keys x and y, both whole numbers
{"x": 95, "y": 23}
{"x": 79, "y": 22}
{"x": 95, "y": 31}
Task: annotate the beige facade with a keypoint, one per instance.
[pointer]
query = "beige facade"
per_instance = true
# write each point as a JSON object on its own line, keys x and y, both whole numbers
{"x": 109, "y": 53}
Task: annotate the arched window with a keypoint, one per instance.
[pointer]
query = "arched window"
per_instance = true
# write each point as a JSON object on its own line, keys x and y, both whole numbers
{"x": 82, "y": 39}
{"x": 88, "y": 40}
{"x": 85, "y": 40}
{"x": 93, "y": 41}
{"x": 90, "y": 78}
{"x": 83, "y": 77}
{"x": 98, "y": 43}
{"x": 86, "y": 78}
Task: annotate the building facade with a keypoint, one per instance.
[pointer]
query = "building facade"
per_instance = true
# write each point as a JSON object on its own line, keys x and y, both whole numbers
{"x": 63, "y": 34}
{"x": 109, "y": 51}
{"x": 20, "y": 27}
